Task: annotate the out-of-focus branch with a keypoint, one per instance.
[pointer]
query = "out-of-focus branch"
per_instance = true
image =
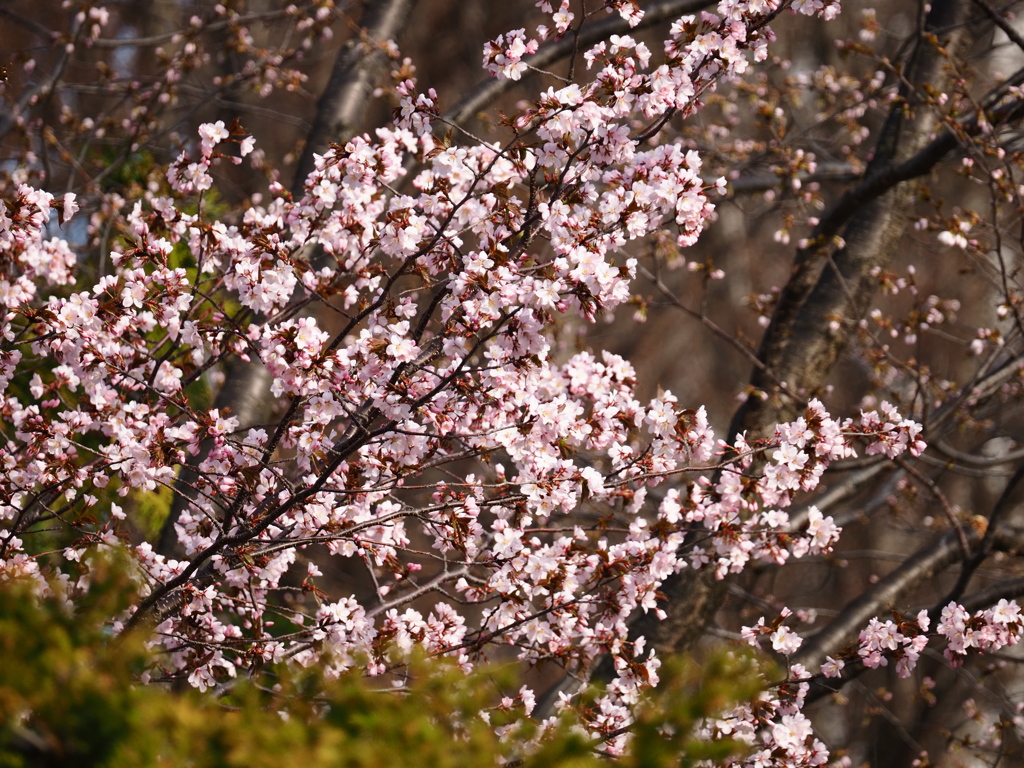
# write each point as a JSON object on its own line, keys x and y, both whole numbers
{"x": 30, "y": 24}
{"x": 1007, "y": 500}
{"x": 340, "y": 112}
{"x": 974, "y": 460}
{"x": 42, "y": 89}
{"x": 983, "y": 598}
{"x": 922, "y": 566}
{"x": 843, "y": 630}
{"x": 1001, "y": 22}
{"x": 759, "y": 182}
{"x": 840, "y": 490}
{"x": 151, "y": 41}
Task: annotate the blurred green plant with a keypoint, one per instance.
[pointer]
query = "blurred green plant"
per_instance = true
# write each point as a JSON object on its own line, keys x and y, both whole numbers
{"x": 70, "y": 694}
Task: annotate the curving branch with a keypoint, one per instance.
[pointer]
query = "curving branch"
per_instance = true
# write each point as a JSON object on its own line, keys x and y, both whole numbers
{"x": 1004, "y": 590}
{"x": 922, "y": 566}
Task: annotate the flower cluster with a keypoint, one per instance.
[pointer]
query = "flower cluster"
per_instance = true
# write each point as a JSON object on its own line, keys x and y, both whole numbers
{"x": 987, "y": 631}
{"x": 905, "y": 639}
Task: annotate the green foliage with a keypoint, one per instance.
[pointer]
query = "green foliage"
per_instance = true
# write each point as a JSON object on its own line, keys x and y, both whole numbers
{"x": 65, "y": 689}
{"x": 69, "y": 695}
{"x": 664, "y": 731}
{"x": 151, "y": 509}
{"x": 124, "y": 172}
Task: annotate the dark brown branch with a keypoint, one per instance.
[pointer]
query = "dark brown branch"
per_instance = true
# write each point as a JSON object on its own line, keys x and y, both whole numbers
{"x": 44, "y": 89}
{"x": 44, "y": 32}
{"x": 829, "y": 288}
{"x": 1001, "y": 22}
{"x": 152, "y": 41}
{"x": 1000, "y": 511}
